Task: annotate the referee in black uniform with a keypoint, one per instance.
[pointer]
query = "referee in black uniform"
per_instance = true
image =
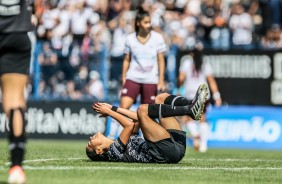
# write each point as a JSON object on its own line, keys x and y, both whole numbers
{"x": 15, "y": 54}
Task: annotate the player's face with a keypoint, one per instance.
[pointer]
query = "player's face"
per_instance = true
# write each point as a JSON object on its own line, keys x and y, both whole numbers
{"x": 96, "y": 141}
{"x": 145, "y": 24}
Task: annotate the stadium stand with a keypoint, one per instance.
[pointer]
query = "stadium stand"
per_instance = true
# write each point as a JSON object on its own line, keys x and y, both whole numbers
{"x": 77, "y": 38}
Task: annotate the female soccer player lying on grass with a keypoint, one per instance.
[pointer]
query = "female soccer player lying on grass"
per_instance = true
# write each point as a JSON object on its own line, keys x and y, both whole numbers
{"x": 164, "y": 142}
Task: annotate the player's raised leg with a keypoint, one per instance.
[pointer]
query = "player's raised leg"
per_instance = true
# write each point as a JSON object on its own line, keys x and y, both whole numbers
{"x": 151, "y": 130}
{"x": 194, "y": 110}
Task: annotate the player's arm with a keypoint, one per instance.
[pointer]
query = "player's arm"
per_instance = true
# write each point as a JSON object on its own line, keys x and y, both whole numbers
{"x": 161, "y": 67}
{"x": 37, "y": 8}
{"x": 128, "y": 125}
{"x": 214, "y": 88}
{"x": 181, "y": 78}
{"x": 126, "y": 112}
{"x": 125, "y": 66}
{"x": 130, "y": 114}
{"x": 136, "y": 127}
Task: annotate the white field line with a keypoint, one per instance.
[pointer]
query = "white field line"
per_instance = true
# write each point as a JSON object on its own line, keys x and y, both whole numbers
{"x": 52, "y": 159}
{"x": 131, "y": 168}
{"x": 48, "y": 159}
{"x": 231, "y": 160}
{"x": 188, "y": 159}
{"x": 164, "y": 167}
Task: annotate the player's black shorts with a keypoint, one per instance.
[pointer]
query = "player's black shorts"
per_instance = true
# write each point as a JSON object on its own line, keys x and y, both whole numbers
{"x": 170, "y": 150}
{"x": 15, "y": 53}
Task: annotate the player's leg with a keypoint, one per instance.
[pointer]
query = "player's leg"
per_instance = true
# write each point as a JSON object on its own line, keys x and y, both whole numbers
{"x": 169, "y": 122}
{"x": 175, "y": 100}
{"x": 194, "y": 110}
{"x": 203, "y": 132}
{"x": 199, "y": 131}
{"x": 154, "y": 131}
{"x": 151, "y": 130}
{"x": 182, "y": 101}
{"x": 192, "y": 127}
{"x": 162, "y": 142}
{"x": 148, "y": 93}
{"x": 129, "y": 93}
{"x": 14, "y": 106}
{"x": 14, "y": 67}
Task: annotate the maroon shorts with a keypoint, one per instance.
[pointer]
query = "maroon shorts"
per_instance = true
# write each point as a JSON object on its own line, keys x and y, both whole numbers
{"x": 132, "y": 89}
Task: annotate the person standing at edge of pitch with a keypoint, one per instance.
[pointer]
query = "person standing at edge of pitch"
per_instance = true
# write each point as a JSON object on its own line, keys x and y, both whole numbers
{"x": 15, "y": 55}
{"x": 192, "y": 72}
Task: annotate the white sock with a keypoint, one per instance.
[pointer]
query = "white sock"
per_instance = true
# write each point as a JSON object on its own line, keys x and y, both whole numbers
{"x": 204, "y": 131}
{"x": 192, "y": 128}
{"x": 114, "y": 127}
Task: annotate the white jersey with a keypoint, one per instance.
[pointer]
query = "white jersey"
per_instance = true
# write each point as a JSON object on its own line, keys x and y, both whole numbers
{"x": 194, "y": 79}
{"x": 143, "y": 67}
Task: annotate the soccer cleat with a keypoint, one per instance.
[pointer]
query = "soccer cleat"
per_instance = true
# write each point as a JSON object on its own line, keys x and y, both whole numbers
{"x": 198, "y": 102}
{"x": 16, "y": 175}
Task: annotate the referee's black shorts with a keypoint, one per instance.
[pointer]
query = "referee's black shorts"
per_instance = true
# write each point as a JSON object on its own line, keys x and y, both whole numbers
{"x": 15, "y": 53}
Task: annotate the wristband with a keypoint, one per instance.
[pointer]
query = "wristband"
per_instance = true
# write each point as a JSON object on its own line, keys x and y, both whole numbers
{"x": 114, "y": 108}
{"x": 216, "y": 95}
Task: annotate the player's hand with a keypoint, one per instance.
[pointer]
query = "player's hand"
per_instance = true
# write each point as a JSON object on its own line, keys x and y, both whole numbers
{"x": 123, "y": 80}
{"x": 161, "y": 86}
{"x": 101, "y": 109}
{"x": 218, "y": 102}
{"x": 108, "y": 105}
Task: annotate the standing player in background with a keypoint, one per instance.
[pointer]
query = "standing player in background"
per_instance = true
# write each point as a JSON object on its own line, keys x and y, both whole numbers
{"x": 192, "y": 73}
{"x": 143, "y": 65}
{"x": 15, "y": 54}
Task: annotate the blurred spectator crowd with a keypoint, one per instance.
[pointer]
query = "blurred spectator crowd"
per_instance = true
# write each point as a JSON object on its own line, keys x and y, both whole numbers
{"x": 79, "y": 43}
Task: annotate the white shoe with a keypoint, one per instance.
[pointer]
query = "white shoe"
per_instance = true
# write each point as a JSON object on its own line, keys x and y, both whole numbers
{"x": 203, "y": 148}
{"x": 16, "y": 175}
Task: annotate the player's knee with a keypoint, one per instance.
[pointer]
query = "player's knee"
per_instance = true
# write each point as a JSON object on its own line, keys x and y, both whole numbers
{"x": 161, "y": 98}
{"x": 142, "y": 110}
{"x": 158, "y": 99}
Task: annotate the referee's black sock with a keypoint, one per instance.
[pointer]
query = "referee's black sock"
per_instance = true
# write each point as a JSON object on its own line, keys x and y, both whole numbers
{"x": 16, "y": 143}
{"x": 163, "y": 110}
{"x": 177, "y": 100}
{"x": 17, "y": 151}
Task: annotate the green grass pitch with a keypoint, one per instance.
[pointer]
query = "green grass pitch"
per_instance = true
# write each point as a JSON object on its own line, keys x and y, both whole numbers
{"x": 65, "y": 162}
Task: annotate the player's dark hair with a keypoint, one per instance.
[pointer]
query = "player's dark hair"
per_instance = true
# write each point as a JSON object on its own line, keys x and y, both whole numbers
{"x": 140, "y": 14}
{"x": 197, "y": 59}
{"x": 96, "y": 157}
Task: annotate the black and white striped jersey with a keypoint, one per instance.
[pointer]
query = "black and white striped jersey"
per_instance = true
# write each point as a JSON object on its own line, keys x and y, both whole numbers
{"x": 136, "y": 150}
